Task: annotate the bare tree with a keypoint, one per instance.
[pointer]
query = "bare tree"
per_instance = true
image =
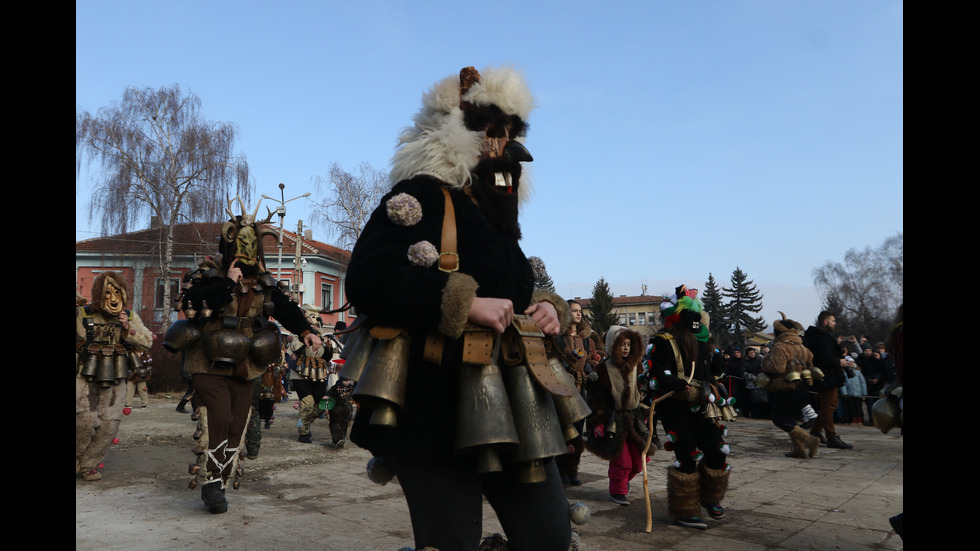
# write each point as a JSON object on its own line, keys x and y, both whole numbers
{"x": 159, "y": 158}
{"x": 867, "y": 285}
{"x": 348, "y": 202}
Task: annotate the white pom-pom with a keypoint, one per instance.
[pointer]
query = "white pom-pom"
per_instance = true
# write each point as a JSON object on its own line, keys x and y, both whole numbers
{"x": 404, "y": 210}
{"x": 423, "y": 254}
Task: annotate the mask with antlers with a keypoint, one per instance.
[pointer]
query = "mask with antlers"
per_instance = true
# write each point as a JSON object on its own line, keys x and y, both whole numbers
{"x": 241, "y": 237}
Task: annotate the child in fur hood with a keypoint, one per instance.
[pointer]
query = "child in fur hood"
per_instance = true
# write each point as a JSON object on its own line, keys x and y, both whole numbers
{"x": 616, "y": 426}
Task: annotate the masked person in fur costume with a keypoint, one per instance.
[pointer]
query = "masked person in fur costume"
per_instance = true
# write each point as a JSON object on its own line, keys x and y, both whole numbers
{"x": 692, "y": 416}
{"x": 228, "y": 340}
{"x": 616, "y": 426}
{"x": 108, "y": 342}
{"x": 442, "y": 282}
{"x": 789, "y": 372}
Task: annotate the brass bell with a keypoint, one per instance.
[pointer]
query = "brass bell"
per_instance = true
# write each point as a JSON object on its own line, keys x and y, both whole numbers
{"x": 817, "y": 374}
{"x": 484, "y": 419}
{"x": 570, "y": 409}
{"x": 807, "y": 376}
{"x": 182, "y": 334}
{"x": 121, "y": 361}
{"x": 89, "y": 365}
{"x": 886, "y": 415}
{"x": 536, "y": 422}
{"x": 105, "y": 370}
{"x": 762, "y": 380}
{"x": 356, "y": 354}
{"x": 792, "y": 376}
{"x": 382, "y": 383}
{"x": 266, "y": 346}
{"x": 206, "y": 312}
{"x": 226, "y": 346}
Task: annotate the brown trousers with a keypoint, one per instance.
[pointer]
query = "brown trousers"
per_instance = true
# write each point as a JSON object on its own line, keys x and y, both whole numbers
{"x": 228, "y": 401}
{"x": 825, "y": 413}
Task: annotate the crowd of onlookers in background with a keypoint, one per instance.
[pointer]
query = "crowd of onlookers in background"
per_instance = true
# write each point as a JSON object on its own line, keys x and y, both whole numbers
{"x": 870, "y": 369}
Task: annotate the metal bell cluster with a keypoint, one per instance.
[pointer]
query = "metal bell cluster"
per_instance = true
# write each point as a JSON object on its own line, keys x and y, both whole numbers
{"x": 504, "y": 414}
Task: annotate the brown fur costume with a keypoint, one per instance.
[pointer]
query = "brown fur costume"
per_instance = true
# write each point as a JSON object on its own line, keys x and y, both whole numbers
{"x": 788, "y": 354}
{"x": 614, "y": 398}
{"x": 98, "y": 405}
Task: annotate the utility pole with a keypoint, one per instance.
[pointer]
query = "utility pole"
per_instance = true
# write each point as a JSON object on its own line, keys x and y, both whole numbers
{"x": 281, "y": 211}
{"x": 298, "y": 262}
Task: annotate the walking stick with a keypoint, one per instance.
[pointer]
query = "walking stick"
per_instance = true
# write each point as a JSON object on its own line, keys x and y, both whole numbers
{"x": 643, "y": 454}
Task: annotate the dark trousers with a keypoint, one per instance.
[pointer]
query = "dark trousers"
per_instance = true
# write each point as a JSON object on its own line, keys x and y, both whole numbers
{"x": 786, "y": 406}
{"x": 693, "y": 432}
{"x": 445, "y": 502}
{"x": 228, "y": 401}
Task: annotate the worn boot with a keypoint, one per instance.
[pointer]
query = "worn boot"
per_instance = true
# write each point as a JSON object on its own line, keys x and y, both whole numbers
{"x": 714, "y": 486}
{"x": 682, "y": 498}
{"x": 836, "y": 442}
{"x": 180, "y": 406}
{"x": 213, "y": 496}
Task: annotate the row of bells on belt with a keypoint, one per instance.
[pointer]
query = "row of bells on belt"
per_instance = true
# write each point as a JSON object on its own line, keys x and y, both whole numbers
{"x": 501, "y": 410}
{"x": 806, "y": 375}
{"x": 108, "y": 363}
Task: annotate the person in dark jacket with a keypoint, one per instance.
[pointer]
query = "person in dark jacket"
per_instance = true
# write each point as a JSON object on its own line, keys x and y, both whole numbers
{"x": 438, "y": 266}
{"x": 820, "y": 340}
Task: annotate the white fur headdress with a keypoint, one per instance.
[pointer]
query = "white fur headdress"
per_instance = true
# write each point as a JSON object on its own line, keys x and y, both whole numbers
{"x": 440, "y": 145}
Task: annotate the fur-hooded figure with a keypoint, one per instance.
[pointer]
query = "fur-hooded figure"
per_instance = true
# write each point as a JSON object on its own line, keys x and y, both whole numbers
{"x": 787, "y": 353}
{"x": 104, "y": 301}
{"x": 614, "y": 396}
{"x": 469, "y": 134}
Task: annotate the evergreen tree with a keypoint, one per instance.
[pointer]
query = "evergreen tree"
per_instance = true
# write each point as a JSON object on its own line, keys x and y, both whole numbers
{"x": 541, "y": 278}
{"x": 744, "y": 300}
{"x": 544, "y": 281}
{"x": 716, "y": 311}
{"x": 601, "y": 307}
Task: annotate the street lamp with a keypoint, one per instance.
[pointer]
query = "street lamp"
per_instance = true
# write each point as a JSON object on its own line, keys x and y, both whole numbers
{"x": 281, "y": 211}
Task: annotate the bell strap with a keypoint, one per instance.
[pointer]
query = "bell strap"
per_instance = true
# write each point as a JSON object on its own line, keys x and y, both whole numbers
{"x": 448, "y": 257}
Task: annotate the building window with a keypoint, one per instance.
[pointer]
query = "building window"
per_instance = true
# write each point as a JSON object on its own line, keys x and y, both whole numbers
{"x": 622, "y": 319}
{"x": 174, "y": 291}
{"x": 641, "y": 318}
{"x": 652, "y": 318}
{"x": 326, "y": 296}
{"x": 632, "y": 319}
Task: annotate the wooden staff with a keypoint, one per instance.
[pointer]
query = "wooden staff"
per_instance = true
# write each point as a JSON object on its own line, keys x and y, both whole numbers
{"x": 643, "y": 454}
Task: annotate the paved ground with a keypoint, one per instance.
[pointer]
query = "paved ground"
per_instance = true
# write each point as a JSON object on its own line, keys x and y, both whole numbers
{"x": 310, "y": 495}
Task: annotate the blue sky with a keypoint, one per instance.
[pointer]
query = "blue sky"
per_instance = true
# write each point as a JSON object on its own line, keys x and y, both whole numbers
{"x": 671, "y": 139}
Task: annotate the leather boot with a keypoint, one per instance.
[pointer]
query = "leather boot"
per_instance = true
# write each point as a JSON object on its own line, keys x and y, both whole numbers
{"x": 836, "y": 442}
{"x": 180, "y": 406}
{"x": 213, "y": 496}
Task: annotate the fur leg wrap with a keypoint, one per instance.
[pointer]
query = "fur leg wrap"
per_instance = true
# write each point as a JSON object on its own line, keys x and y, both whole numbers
{"x": 308, "y": 412}
{"x": 804, "y": 444}
{"x": 799, "y": 443}
{"x": 682, "y": 494}
{"x": 714, "y": 484}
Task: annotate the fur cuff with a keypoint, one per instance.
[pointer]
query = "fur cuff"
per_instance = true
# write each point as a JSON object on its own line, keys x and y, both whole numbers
{"x": 714, "y": 483}
{"x": 682, "y": 494}
{"x": 457, "y": 296}
{"x": 561, "y": 306}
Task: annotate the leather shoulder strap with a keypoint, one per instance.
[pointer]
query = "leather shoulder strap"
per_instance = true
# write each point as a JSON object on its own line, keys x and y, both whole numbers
{"x": 448, "y": 257}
